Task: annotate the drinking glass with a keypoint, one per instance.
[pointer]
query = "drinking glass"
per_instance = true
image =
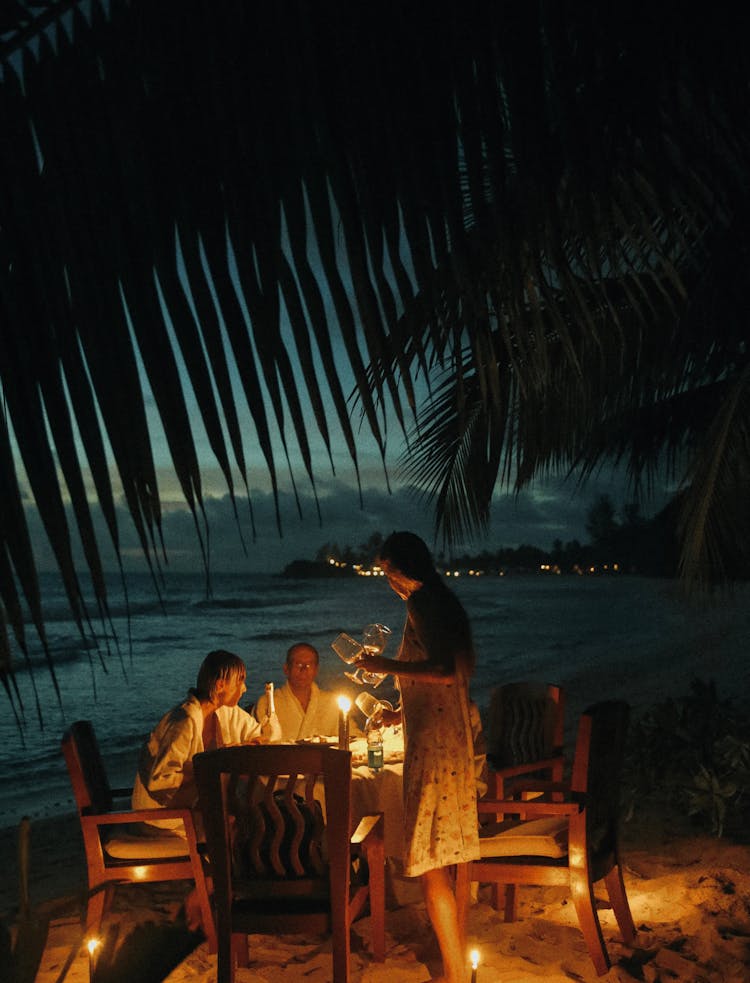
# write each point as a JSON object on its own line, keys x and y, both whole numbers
{"x": 356, "y": 676}
{"x": 350, "y": 651}
{"x": 371, "y": 707}
{"x": 375, "y": 638}
{"x": 374, "y": 641}
{"x": 347, "y": 648}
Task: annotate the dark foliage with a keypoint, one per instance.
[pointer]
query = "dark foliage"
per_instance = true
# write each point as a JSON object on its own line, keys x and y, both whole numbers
{"x": 542, "y": 208}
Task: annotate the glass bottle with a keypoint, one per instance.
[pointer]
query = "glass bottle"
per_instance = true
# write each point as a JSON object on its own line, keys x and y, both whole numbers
{"x": 375, "y": 747}
{"x": 270, "y": 728}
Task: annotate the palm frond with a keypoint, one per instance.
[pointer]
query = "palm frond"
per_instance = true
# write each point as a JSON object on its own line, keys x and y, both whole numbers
{"x": 546, "y": 203}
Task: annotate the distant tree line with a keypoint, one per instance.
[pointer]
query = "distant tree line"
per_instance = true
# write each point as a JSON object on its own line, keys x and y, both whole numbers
{"x": 366, "y": 553}
{"x": 623, "y": 541}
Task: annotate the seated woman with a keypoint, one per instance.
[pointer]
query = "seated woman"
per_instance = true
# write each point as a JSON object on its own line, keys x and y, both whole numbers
{"x": 209, "y": 718}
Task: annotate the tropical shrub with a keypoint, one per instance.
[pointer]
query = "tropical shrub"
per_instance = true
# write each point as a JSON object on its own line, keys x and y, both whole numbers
{"x": 693, "y": 754}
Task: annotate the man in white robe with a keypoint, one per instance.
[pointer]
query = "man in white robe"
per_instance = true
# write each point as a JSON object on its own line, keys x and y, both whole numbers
{"x": 303, "y": 708}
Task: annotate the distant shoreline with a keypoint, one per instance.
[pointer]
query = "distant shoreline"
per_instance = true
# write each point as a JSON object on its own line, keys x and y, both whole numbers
{"x": 325, "y": 569}
{"x": 306, "y": 569}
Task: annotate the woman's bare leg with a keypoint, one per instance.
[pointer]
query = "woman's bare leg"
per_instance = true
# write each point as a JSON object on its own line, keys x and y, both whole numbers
{"x": 440, "y": 901}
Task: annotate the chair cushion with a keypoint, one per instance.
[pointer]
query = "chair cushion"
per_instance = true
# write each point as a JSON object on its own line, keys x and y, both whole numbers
{"x": 546, "y": 837}
{"x": 130, "y": 846}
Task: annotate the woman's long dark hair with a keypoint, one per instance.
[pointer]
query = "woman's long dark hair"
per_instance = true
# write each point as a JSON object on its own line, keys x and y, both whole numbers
{"x": 409, "y": 554}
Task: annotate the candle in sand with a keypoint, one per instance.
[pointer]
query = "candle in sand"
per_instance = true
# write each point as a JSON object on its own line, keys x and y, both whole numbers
{"x": 474, "y": 964}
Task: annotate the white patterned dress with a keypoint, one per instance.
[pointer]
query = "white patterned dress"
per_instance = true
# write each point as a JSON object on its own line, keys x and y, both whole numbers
{"x": 440, "y": 806}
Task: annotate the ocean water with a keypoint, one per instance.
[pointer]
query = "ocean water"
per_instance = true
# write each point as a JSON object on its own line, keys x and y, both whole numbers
{"x": 601, "y": 638}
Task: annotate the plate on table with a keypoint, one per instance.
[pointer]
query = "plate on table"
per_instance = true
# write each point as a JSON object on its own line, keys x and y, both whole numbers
{"x": 319, "y": 739}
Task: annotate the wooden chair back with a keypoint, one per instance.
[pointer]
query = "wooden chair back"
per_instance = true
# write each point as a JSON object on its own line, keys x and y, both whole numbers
{"x": 526, "y": 721}
{"x": 526, "y": 732}
{"x": 115, "y": 854}
{"x": 278, "y": 826}
{"x": 88, "y": 776}
{"x": 596, "y": 779}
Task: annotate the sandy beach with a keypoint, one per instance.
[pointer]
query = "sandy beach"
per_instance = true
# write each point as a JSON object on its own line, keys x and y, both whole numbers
{"x": 689, "y": 894}
{"x": 689, "y": 891}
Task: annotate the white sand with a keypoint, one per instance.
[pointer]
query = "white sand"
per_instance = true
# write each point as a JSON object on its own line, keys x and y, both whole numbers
{"x": 688, "y": 894}
{"x": 690, "y": 898}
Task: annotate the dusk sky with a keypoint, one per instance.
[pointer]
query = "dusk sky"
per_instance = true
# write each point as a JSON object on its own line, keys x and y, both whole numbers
{"x": 551, "y": 509}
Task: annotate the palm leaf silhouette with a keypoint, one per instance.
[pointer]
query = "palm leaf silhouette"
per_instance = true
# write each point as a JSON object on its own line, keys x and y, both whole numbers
{"x": 538, "y": 211}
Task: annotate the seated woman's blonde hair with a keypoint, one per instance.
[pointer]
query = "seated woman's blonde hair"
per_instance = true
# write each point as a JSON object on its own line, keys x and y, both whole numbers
{"x": 218, "y": 665}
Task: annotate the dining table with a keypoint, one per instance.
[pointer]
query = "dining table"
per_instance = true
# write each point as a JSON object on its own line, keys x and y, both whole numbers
{"x": 377, "y": 790}
{"x": 381, "y": 790}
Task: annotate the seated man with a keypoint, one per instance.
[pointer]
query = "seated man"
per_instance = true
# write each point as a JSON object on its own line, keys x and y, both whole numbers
{"x": 208, "y": 718}
{"x": 303, "y": 708}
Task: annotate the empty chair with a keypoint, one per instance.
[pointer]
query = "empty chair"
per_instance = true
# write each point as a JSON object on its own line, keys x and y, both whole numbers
{"x": 283, "y": 857}
{"x": 572, "y": 841}
{"x": 525, "y": 733}
{"x": 525, "y": 738}
{"x": 115, "y": 853}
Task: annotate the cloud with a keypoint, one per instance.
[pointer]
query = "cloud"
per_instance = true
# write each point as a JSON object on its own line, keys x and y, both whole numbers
{"x": 547, "y": 511}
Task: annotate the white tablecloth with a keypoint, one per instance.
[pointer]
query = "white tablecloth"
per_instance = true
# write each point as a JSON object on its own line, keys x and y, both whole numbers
{"x": 381, "y": 791}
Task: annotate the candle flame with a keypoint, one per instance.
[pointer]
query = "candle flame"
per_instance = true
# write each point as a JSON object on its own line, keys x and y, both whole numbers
{"x": 92, "y": 945}
{"x": 474, "y": 954}
{"x": 345, "y": 704}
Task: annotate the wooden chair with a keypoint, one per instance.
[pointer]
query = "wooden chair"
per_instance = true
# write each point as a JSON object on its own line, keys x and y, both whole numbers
{"x": 572, "y": 841}
{"x": 283, "y": 858}
{"x": 525, "y": 733}
{"x": 115, "y": 853}
{"x": 525, "y": 739}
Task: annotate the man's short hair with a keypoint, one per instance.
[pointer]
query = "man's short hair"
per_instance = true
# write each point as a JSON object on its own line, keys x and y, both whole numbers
{"x": 302, "y": 647}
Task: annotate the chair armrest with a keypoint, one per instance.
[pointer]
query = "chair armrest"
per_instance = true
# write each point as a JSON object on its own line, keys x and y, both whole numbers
{"x": 369, "y": 827}
{"x": 531, "y": 809}
{"x": 539, "y": 786}
{"x": 136, "y": 816}
{"x": 511, "y": 771}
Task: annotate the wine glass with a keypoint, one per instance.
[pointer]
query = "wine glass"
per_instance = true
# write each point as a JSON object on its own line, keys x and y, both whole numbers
{"x": 374, "y": 641}
{"x": 375, "y": 638}
{"x": 372, "y": 708}
{"x": 347, "y": 648}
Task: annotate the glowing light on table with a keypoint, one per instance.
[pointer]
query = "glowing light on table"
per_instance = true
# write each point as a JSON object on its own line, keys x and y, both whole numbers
{"x": 345, "y": 705}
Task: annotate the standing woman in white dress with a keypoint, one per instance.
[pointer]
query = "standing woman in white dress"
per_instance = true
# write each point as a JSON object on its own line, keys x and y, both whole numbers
{"x": 433, "y": 667}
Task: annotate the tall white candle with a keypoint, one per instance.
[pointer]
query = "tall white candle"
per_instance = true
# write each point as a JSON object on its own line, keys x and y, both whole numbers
{"x": 344, "y": 706}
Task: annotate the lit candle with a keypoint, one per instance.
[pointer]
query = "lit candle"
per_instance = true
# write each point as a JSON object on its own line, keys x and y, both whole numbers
{"x": 92, "y": 946}
{"x": 474, "y": 964}
{"x": 345, "y": 705}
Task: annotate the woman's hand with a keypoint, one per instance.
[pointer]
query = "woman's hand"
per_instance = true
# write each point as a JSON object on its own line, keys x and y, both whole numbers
{"x": 391, "y": 718}
{"x": 375, "y": 663}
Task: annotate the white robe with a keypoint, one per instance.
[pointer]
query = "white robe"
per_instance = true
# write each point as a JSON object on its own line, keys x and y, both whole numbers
{"x": 320, "y": 719}
{"x": 177, "y": 738}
